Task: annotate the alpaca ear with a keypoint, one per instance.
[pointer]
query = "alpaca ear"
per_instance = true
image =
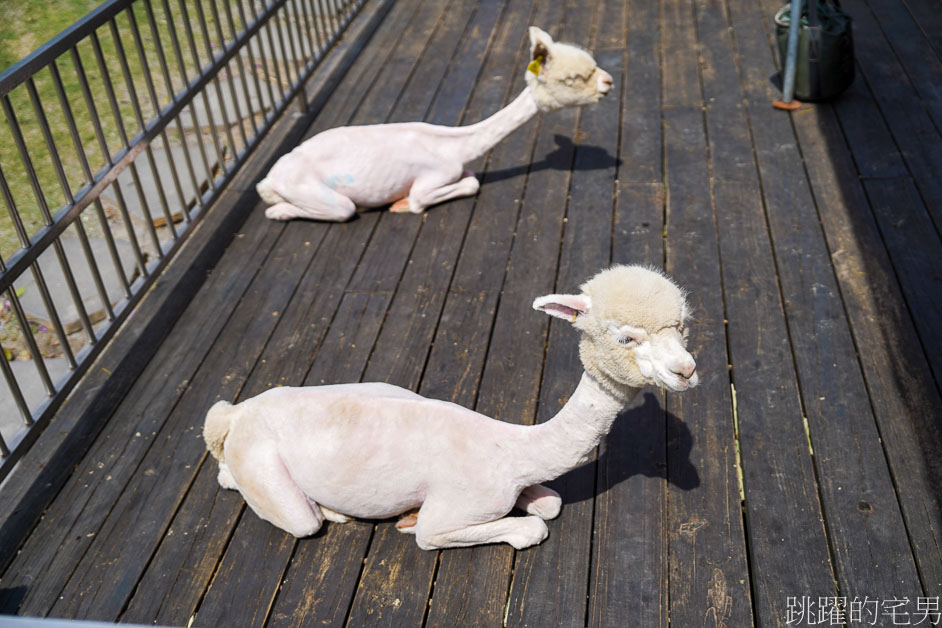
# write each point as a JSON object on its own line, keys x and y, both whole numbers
{"x": 570, "y": 307}
{"x": 540, "y": 44}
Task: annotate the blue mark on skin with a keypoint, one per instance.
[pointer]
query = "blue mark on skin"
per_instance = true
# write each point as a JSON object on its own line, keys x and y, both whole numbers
{"x": 338, "y": 180}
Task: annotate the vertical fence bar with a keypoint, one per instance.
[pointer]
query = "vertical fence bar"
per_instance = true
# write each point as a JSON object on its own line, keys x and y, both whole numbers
{"x": 204, "y": 30}
{"x": 188, "y": 30}
{"x": 106, "y": 155}
{"x": 14, "y": 387}
{"x": 316, "y": 27}
{"x": 232, "y": 88}
{"x": 135, "y": 176}
{"x": 257, "y": 39}
{"x": 165, "y": 70}
{"x": 296, "y": 50}
{"x": 11, "y": 293}
{"x": 89, "y": 178}
{"x": 181, "y": 64}
{"x": 155, "y": 100}
{"x": 44, "y": 209}
{"x": 67, "y": 193}
{"x": 245, "y": 85}
{"x": 139, "y": 117}
{"x": 142, "y": 125}
{"x": 274, "y": 61}
{"x": 310, "y": 27}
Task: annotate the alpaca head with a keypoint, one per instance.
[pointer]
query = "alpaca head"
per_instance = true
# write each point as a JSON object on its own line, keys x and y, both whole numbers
{"x": 632, "y": 321}
{"x": 562, "y": 75}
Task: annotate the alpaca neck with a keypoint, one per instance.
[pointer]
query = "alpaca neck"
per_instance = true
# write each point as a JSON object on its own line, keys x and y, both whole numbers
{"x": 569, "y": 438}
{"x": 481, "y": 137}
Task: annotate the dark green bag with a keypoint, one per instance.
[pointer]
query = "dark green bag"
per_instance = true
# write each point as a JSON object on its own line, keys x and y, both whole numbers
{"x": 825, "y": 66}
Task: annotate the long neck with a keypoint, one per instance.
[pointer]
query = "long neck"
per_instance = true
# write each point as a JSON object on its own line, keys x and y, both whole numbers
{"x": 477, "y": 139}
{"x": 569, "y": 438}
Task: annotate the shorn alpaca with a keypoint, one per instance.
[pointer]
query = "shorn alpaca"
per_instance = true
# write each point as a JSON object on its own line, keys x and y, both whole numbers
{"x": 414, "y": 165}
{"x": 302, "y": 455}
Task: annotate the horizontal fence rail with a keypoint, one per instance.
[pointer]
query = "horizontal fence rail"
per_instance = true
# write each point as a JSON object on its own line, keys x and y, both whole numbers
{"x": 120, "y": 131}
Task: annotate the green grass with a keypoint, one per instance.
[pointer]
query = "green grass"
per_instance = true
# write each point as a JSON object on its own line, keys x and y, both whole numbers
{"x": 27, "y": 25}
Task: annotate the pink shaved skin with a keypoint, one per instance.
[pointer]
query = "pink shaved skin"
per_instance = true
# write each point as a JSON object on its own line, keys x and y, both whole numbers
{"x": 414, "y": 165}
{"x": 300, "y": 456}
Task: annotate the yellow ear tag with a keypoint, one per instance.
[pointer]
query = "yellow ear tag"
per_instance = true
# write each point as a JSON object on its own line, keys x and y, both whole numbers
{"x": 535, "y": 65}
{"x": 574, "y": 313}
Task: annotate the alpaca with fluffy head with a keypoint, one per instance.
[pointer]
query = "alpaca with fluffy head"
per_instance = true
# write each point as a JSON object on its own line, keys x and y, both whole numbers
{"x": 302, "y": 455}
{"x": 414, "y": 165}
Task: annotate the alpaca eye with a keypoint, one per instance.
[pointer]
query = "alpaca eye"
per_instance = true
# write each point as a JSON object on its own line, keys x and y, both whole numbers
{"x": 627, "y": 341}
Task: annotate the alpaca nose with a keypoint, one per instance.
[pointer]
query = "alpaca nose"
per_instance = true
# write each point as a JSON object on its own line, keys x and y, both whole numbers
{"x": 605, "y": 82}
{"x": 685, "y": 369}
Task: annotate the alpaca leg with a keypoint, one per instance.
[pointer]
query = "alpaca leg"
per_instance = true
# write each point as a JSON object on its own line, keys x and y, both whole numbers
{"x": 225, "y": 478}
{"x": 447, "y": 524}
{"x": 541, "y": 501}
{"x": 313, "y": 200}
{"x": 268, "y": 489}
{"x": 520, "y": 532}
{"x": 425, "y": 194}
{"x": 334, "y": 516}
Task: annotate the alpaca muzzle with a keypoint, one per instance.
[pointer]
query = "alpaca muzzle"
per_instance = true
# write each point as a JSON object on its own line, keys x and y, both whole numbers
{"x": 606, "y": 82}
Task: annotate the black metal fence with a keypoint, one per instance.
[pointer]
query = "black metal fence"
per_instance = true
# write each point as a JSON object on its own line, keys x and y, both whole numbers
{"x": 119, "y": 132}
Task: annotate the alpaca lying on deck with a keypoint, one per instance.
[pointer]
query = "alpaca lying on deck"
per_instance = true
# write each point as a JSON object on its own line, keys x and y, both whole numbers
{"x": 302, "y": 455}
{"x": 415, "y": 165}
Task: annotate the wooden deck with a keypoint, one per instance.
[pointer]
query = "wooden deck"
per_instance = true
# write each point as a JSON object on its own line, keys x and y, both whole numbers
{"x": 809, "y": 243}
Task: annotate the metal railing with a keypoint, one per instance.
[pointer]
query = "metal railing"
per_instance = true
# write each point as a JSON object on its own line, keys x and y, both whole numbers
{"x": 119, "y": 132}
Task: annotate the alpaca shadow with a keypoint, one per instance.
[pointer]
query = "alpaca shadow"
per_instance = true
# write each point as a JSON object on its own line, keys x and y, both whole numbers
{"x": 590, "y": 158}
{"x": 644, "y": 440}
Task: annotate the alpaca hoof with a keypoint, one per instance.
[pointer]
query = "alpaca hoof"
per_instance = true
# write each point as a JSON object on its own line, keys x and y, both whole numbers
{"x": 546, "y": 507}
{"x": 406, "y": 523}
{"x": 400, "y": 207}
{"x": 533, "y": 532}
{"x": 278, "y": 212}
{"x": 334, "y": 516}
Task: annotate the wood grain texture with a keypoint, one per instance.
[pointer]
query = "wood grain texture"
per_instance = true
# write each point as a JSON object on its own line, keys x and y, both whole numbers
{"x": 865, "y": 527}
{"x": 805, "y": 240}
{"x": 905, "y": 401}
{"x": 707, "y": 568}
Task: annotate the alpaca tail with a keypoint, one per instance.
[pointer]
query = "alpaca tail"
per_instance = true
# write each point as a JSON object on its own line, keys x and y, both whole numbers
{"x": 216, "y": 427}
{"x": 267, "y": 192}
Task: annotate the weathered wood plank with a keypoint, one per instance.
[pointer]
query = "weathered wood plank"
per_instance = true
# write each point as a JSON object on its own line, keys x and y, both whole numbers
{"x": 628, "y": 578}
{"x": 106, "y": 575}
{"x": 74, "y": 519}
{"x": 541, "y": 593}
{"x": 913, "y": 51}
{"x": 471, "y": 585}
{"x": 708, "y": 574}
{"x": 918, "y": 138}
{"x": 322, "y": 578}
{"x": 769, "y": 416}
{"x": 303, "y": 327}
{"x": 510, "y": 382}
{"x": 402, "y": 347}
{"x": 770, "y": 423}
{"x": 174, "y": 551}
{"x": 708, "y": 577}
{"x": 904, "y": 398}
{"x": 680, "y": 86}
{"x": 862, "y": 514}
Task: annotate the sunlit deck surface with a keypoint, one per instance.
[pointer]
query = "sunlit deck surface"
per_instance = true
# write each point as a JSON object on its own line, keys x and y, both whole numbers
{"x": 809, "y": 243}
